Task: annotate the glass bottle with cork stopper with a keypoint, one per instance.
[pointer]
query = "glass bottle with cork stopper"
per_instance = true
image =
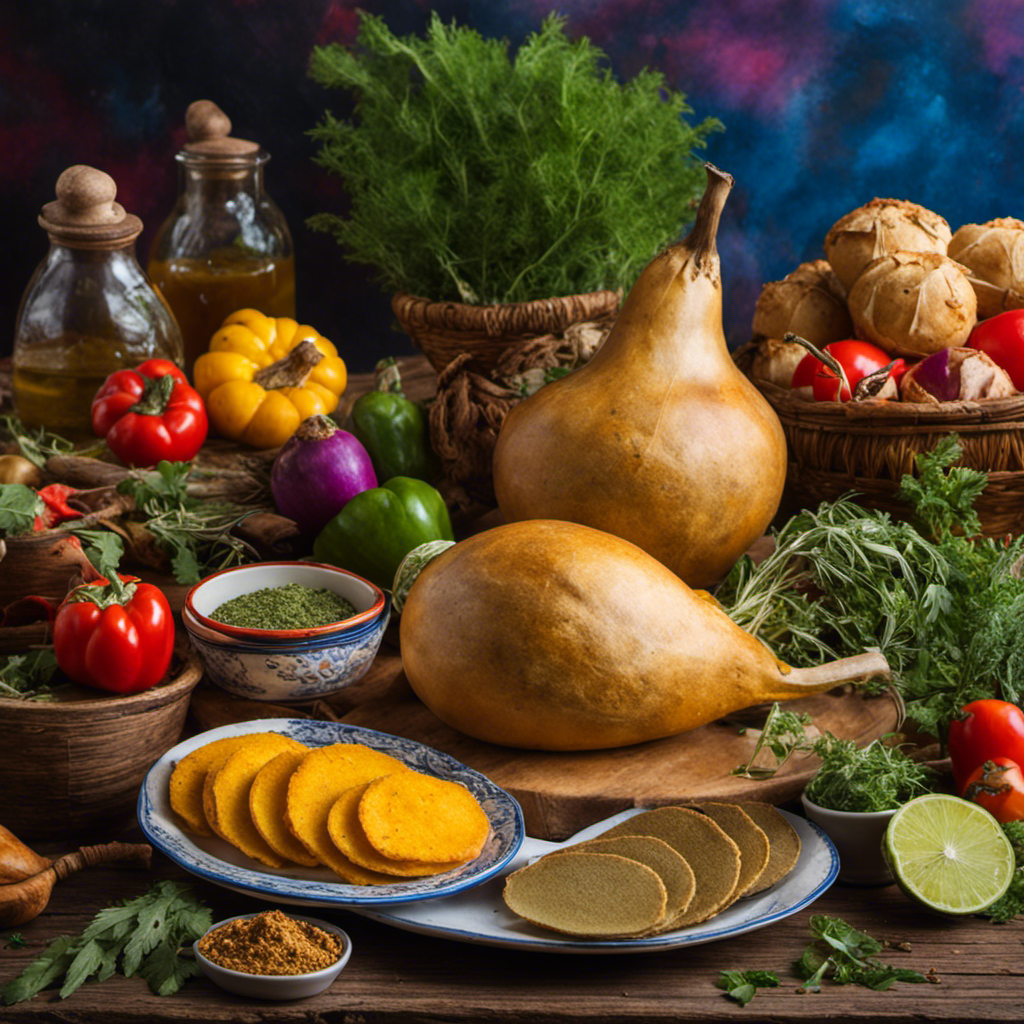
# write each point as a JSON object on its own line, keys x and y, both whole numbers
{"x": 226, "y": 245}
{"x": 88, "y": 310}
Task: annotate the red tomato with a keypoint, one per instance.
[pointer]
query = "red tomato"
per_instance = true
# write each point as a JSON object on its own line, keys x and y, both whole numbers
{"x": 149, "y": 414}
{"x": 998, "y": 785}
{"x": 988, "y": 729}
{"x": 1001, "y": 338}
{"x": 114, "y": 636}
{"x": 859, "y": 359}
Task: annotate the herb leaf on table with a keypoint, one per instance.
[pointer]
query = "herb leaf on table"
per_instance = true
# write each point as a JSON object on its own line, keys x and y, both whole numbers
{"x": 144, "y": 933}
{"x": 19, "y": 506}
{"x": 743, "y": 985}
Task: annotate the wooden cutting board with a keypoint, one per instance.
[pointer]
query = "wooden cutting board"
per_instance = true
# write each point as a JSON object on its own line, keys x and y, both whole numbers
{"x": 560, "y": 793}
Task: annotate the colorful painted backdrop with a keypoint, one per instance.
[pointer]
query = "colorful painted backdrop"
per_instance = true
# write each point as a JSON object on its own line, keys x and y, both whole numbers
{"x": 826, "y": 104}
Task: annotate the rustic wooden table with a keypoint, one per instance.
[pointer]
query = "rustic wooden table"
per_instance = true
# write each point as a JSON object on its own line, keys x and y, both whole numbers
{"x": 399, "y": 976}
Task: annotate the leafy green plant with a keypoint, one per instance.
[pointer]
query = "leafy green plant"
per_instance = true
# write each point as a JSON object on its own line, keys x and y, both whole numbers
{"x": 943, "y": 604}
{"x": 480, "y": 178}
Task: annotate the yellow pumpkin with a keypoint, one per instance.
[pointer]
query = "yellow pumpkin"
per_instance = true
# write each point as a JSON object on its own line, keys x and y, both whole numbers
{"x": 260, "y": 381}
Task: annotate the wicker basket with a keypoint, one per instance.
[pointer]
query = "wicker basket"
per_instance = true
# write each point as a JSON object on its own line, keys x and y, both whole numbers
{"x": 444, "y": 330}
{"x": 76, "y": 765}
{"x": 868, "y": 446}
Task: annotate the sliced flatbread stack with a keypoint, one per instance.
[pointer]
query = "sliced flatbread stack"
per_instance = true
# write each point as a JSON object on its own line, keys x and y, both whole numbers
{"x": 705, "y": 857}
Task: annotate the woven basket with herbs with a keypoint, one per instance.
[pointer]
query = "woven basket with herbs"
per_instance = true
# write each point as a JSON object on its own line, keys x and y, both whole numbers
{"x": 501, "y": 198}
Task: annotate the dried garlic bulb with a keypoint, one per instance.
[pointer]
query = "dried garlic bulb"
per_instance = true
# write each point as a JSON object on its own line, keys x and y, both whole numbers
{"x": 808, "y": 301}
{"x": 774, "y": 360}
{"x": 879, "y": 227}
{"x": 913, "y": 303}
{"x": 993, "y": 254}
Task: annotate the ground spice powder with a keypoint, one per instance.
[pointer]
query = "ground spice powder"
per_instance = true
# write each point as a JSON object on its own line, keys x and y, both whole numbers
{"x": 271, "y": 943}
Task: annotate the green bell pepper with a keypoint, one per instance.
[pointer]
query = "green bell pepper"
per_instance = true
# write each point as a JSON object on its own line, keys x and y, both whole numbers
{"x": 377, "y": 528}
{"x": 394, "y": 429}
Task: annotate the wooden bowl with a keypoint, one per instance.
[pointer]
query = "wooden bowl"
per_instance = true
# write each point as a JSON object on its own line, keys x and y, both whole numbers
{"x": 75, "y": 764}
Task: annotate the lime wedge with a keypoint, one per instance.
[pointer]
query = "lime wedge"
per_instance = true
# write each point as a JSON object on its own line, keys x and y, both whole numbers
{"x": 948, "y": 854}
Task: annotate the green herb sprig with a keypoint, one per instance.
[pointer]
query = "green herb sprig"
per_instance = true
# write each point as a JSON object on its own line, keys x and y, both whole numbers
{"x": 196, "y": 535}
{"x": 845, "y": 956}
{"x": 869, "y": 779}
{"x": 28, "y": 676}
{"x": 1011, "y": 904}
{"x": 141, "y": 936}
{"x": 476, "y": 177}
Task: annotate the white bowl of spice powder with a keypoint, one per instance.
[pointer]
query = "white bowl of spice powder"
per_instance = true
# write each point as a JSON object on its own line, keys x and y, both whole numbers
{"x": 272, "y": 955}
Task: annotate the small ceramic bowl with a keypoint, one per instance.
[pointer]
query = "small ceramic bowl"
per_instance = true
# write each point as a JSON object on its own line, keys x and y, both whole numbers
{"x": 857, "y": 837}
{"x": 275, "y": 986}
{"x": 210, "y": 593}
{"x": 288, "y": 672}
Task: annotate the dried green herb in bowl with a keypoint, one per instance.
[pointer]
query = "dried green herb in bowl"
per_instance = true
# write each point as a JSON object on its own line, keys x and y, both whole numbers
{"x": 289, "y": 606}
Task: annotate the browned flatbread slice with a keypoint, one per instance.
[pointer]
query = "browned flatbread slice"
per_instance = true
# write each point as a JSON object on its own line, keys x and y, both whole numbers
{"x": 673, "y": 870}
{"x": 347, "y": 834}
{"x": 321, "y": 777}
{"x": 268, "y": 799}
{"x": 783, "y": 842}
{"x": 226, "y": 795}
{"x": 189, "y": 777}
{"x": 587, "y": 895}
{"x": 748, "y": 836}
{"x": 704, "y": 845}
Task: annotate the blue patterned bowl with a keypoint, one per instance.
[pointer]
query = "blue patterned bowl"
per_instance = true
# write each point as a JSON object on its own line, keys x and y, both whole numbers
{"x": 289, "y": 672}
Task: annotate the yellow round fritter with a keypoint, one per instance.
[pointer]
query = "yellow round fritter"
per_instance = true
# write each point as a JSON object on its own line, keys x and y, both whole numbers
{"x": 348, "y": 836}
{"x": 268, "y": 798}
{"x": 321, "y": 777}
{"x": 189, "y": 776}
{"x": 412, "y": 816}
{"x": 226, "y": 795}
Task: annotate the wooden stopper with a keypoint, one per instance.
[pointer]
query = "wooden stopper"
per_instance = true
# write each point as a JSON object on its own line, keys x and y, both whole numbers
{"x": 85, "y": 209}
{"x": 208, "y": 130}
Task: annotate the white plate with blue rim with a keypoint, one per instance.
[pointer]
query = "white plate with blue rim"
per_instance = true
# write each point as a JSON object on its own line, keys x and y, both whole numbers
{"x": 216, "y": 861}
{"x": 480, "y": 916}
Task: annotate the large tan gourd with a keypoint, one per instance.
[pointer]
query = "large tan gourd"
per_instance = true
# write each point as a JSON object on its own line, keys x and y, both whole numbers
{"x": 554, "y": 636}
{"x": 659, "y": 439}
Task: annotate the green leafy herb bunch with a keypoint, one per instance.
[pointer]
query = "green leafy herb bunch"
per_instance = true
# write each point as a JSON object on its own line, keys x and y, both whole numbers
{"x": 477, "y": 177}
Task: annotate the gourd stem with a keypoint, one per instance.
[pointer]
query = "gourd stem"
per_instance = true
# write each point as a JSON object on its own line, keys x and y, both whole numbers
{"x": 858, "y": 668}
{"x": 701, "y": 239}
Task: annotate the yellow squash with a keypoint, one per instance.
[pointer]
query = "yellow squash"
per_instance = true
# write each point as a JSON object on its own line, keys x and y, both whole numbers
{"x": 659, "y": 439}
{"x": 554, "y": 636}
{"x": 264, "y": 375}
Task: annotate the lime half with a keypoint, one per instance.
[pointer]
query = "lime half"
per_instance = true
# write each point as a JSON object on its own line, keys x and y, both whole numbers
{"x": 948, "y": 854}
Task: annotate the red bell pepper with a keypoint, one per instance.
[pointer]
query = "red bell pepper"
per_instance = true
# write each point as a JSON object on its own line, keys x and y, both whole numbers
{"x": 998, "y": 785}
{"x": 985, "y": 730}
{"x": 115, "y": 635}
{"x": 149, "y": 414}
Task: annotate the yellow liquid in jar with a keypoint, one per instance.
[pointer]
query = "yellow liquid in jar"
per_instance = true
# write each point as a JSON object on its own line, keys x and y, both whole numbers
{"x": 202, "y": 292}
{"x": 59, "y": 401}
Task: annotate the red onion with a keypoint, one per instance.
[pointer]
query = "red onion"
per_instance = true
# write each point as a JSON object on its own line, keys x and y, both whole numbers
{"x": 955, "y": 374}
{"x": 318, "y": 469}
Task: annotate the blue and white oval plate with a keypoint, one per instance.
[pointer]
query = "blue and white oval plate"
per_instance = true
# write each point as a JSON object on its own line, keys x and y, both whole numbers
{"x": 220, "y": 863}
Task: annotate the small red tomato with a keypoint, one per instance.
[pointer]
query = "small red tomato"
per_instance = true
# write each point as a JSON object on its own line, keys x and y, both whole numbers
{"x": 1001, "y": 338}
{"x": 859, "y": 359}
{"x": 998, "y": 785}
{"x": 984, "y": 729}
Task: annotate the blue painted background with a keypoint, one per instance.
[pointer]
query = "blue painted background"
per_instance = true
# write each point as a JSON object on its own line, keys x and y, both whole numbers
{"x": 826, "y": 103}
